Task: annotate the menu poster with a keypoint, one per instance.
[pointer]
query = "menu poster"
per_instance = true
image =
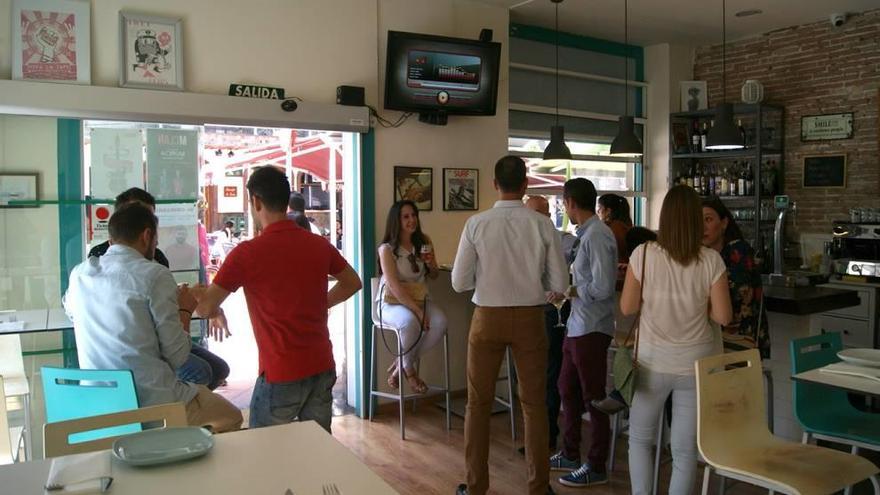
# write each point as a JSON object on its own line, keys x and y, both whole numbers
{"x": 172, "y": 163}
{"x": 117, "y": 161}
{"x": 178, "y": 235}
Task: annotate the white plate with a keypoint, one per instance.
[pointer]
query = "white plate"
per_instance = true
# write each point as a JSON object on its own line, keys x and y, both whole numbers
{"x": 861, "y": 357}
{"x": 164, "y": 445}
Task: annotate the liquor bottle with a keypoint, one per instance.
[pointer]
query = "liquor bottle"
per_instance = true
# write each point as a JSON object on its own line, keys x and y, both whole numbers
{"x": 695, "y": 138}
{"x": 711, "y": 172}
{"x": 741, "y": 180}
{"x": 742, "y": 131}
{"x": 703, "y": 136}
{"x": 698, "y": 180}
{"x": 719, "y": 181}
{"x": 750, "y": 180}
{"x": 731, "y": 180}
{"x": 725, "y": 183}
{"x": 690, "y": 176}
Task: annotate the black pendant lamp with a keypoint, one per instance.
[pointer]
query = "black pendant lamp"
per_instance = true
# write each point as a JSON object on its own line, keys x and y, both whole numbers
{"x": 557, "y": 149}
{"x": 626, "y": 143}
{"x": 724, "y": 135}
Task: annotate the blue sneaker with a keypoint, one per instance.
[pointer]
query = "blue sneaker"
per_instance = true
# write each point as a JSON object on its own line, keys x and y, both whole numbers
{"x": 583, "y": 477}
{"x": 558, "y": 462}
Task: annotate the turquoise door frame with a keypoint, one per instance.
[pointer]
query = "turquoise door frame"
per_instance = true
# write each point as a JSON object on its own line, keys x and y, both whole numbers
{"x": 70, "y": 215}
{"x": 364, "y": 335}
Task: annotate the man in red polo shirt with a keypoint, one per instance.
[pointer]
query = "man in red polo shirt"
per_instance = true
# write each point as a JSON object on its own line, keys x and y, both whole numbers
{"x": 284, "y": 274}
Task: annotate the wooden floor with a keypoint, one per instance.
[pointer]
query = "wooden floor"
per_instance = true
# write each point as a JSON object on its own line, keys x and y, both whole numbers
{"x": 431, "y": 460}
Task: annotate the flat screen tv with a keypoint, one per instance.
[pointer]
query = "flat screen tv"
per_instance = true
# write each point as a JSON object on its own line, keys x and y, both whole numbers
{"x": 435, "y": 74}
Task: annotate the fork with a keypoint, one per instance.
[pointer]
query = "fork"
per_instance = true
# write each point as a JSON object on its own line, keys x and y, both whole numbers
{"x": 331, "y": 489}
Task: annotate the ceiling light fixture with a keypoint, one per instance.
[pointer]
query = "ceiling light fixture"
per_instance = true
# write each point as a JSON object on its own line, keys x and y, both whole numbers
{"x": 557, "y": 149}
{"x": 724, "y": 135}
{"x": 626, "y": 143}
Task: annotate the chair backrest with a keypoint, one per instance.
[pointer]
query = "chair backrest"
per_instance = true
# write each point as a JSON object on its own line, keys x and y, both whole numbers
{"x": 57, "y": 437}
{"x": 6, "y": 456}
{"x": 815, "y": 405}
{"x": 11, "y": 361}
{"x": 74, "y": 393}
{"x": 730, "y": 403}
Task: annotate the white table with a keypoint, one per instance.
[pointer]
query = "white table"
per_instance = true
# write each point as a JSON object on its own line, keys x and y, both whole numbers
{"x": 854, "y": 384}
{"x": 298, "y": 456}
{"x": 39, "y": 320}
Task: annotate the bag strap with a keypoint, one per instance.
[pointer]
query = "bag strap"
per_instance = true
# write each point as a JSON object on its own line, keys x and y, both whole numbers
{"x": 634, "y": 329}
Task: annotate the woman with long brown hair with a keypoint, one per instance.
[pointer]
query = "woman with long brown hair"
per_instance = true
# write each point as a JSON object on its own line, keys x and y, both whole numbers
{"x": 403, "y": 300}
{"x": 683, "y": 286}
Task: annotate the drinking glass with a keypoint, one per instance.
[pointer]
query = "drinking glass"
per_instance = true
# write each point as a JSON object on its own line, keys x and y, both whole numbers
{"x": 559, "y": 303}
{"x": 426, "y": 251}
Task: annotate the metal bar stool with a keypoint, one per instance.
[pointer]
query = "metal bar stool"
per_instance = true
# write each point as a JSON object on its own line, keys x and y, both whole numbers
{"x": 509, "y": 402}
{"x": 401, "y": 397}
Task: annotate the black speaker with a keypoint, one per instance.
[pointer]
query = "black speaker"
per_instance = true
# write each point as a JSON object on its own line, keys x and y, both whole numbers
{"x": 350, "y": 95}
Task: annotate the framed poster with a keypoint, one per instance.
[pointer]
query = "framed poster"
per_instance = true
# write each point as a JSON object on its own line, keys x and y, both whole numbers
{"x": 825, "y": 127}
{"x": 18, "y": 187}
{"x": 693, "y": 96}
{"x": 150, "y": 52}
{"x": 415, "y": 184}
{"x": 461, "y": 189}
{"x": 51, "y": 40}
{"x": 825, "y": 171}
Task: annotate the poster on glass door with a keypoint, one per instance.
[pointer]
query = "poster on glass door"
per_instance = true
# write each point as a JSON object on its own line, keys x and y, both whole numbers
{"x": 116, "y": 162}
{"x": 178, "y": 235}
{"x": 172, "y": 163}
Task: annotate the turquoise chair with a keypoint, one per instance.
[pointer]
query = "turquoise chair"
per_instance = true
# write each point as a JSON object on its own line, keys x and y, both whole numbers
{"x": 825, "y": 413}
{"x": 72, "y": 393}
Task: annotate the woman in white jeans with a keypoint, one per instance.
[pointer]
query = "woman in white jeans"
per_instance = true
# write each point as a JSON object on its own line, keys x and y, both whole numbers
{"x": 421, "y": 324}
{"x": 685, "y": 285}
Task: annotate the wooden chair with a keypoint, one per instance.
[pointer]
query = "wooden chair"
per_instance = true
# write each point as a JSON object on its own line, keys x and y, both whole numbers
{"x": 56, "y": 436}
{"x": 733, "y": 438}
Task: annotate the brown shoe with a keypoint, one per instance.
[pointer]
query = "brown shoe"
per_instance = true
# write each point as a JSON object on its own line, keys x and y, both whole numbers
{"x": 609, "y": 405}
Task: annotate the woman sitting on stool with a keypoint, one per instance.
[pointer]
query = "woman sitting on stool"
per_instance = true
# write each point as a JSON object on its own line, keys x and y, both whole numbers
{"x": 402, "y": 299}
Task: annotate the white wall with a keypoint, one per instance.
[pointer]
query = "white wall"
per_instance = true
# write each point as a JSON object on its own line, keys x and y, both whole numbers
{"x": 665, "y": 66}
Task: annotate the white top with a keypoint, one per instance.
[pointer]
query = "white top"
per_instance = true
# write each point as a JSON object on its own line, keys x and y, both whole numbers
{"x": 405, "y": 272}
{"x": 675, "y": 330}
{"x": 299, "y": 456}
{"x": 511, "y": 256}
{"x": 125, "y": 316}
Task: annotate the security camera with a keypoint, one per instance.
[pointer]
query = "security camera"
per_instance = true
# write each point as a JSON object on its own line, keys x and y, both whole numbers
{"x": 288, "y": 105}
{"x": 838, "y": 20}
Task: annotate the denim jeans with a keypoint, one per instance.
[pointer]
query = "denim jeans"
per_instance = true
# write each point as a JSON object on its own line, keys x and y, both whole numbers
{"x": 203, "y": 367}
{"x": 308, "y": 399}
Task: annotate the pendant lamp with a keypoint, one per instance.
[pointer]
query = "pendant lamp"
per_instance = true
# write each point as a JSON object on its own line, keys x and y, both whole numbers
{"x": 626, "y": 143}
{"x": 724, "y": 135}
{"x": 557, "y": 149}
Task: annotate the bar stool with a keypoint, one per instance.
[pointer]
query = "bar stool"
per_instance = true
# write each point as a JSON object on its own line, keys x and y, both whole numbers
{"x": 378, "y": 328}
{"x": 508, "y": 403}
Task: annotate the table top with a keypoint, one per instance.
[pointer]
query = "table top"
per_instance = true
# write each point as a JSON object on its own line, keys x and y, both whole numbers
{"x": 807, "y": 300}
{"x": 38, "y": 320}
{"x": 301, "y": 457}
{"x": 855, "y": 384}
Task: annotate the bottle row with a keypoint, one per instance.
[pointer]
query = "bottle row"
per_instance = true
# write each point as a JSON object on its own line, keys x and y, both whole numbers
{"x": 734, "y": 179}
{"x": 699, "y": 135}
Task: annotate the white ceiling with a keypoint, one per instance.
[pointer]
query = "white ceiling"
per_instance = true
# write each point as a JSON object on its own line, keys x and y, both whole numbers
{"x": 696, "y": 22}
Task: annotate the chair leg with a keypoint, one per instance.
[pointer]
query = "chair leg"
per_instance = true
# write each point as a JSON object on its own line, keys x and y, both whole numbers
{"x": 615, "y": 430}
{"x": 805, "y": 438}
{"x": 28, "y": 437}
{"x": 659, "y": 450}
{"x": 768, "y": 378}
{"x": 373, "y": 372}
{"x": 854, "y": 451}
{"x": 876, "y": 484}
{"x": 446, "y": 381}
{"x": 510, "y": 398}
{"x": 722, "y": 485}
{"x": 400, "y": 391}
{"x": 706, "y": 473}
{"x": 415, "y": 400}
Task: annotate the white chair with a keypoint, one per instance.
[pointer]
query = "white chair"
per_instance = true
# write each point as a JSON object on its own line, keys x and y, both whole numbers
{"x": 16, "y": 383}
{"x": 6, "y": 456}
{"x": 401, "y": 397}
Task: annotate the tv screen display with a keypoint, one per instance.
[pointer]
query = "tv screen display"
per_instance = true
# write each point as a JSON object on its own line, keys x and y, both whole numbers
{"x": 427, "y": 73}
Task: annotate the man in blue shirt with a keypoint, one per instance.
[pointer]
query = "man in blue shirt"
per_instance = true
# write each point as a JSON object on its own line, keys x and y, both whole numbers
{"x": 589, "y": 330}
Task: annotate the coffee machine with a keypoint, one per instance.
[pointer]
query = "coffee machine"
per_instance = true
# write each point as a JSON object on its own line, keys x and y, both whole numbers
{"x": 856, "y": 249}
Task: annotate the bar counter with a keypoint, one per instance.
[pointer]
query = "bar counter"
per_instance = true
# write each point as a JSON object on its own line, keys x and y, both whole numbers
{"x": 807, "y": 300}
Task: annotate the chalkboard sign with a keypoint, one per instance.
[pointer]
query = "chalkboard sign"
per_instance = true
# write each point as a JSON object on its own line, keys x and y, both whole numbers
{"x": 825, "y": 171}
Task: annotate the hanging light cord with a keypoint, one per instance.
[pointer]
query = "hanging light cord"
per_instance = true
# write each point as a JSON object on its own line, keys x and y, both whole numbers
{"x": 723, "y": 50}
{"x": 557, "y": 63}
{"x": 625, "y": 57}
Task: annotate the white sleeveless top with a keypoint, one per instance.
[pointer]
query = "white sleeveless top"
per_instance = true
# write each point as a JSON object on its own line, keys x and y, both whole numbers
{"x": 675, "y": 329}
{"x": 405, "y": 271}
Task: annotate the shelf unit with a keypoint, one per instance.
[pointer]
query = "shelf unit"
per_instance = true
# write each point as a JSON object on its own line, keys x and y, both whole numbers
{"x": 766, "y": 124}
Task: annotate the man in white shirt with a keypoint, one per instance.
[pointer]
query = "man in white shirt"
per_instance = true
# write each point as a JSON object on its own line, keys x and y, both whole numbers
{"x": 125, "y": 314}
{"x": 511, "y": 258}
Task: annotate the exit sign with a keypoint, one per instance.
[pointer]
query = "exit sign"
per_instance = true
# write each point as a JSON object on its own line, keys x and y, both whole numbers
{"x": 251, "y": 91}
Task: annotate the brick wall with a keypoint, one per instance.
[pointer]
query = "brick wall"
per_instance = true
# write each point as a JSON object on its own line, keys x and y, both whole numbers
{"x": 813, "y": 69}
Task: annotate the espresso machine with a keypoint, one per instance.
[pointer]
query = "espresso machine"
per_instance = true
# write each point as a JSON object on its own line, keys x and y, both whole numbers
{"x": 856, "y": 250}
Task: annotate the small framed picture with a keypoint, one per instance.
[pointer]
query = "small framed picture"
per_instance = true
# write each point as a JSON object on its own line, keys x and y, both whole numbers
{"x": 680, "y": 142}
{"x": 461, "y": 189}
{"x": 415, "y": 184}
{"x": 51, "y": 40}
{"x": 693, "y": 96}
{"x": 150, "y": 52}
{"x": 19, "y": 187}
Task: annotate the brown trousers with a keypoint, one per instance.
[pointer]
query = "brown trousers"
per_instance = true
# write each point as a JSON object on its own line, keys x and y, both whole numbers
{"x": 492, "y": 330}
{"x": 210, "y": 409}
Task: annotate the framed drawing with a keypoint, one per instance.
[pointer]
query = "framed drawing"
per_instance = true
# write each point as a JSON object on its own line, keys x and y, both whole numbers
{"x": 150, "y": 52}
{"x": 18, "y": 187}
{"x": 51, "y": 40}
{"x": 461, "y": 189}
{"x": 415, "y": 184}
{"x": 693, "y": 96}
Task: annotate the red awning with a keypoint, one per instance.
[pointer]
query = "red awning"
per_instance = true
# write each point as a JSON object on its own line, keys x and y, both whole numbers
{"x": 311, "y": 155}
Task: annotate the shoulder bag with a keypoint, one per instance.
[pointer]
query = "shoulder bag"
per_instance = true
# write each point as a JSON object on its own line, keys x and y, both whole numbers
{"x": 626, "y": 361}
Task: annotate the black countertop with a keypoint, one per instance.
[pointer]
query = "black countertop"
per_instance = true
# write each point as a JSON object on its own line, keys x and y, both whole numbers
{"x": 807, "y": 300}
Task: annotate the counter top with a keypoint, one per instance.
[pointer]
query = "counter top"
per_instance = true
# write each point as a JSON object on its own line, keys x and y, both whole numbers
{"x": 807, "y": 300}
